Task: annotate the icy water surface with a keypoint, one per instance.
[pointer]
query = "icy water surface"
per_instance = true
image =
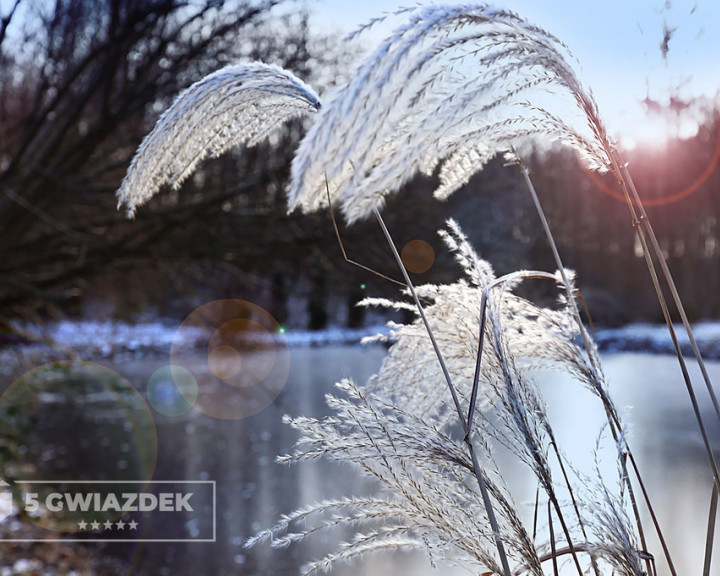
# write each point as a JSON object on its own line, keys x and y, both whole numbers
{"x": 252, "y": 491}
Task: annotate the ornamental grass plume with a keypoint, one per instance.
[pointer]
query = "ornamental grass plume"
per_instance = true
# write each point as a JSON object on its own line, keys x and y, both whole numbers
{"x": 538, "y": 337}
{"x": 428, "y": 499}
{"x": 448, "y": 89}
{"x": 443, "y": 94}
{"x": 239, "y": 104}
{"x": 610, "y": 521}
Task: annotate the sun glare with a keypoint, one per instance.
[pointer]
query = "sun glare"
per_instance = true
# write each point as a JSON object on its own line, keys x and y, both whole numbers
{"x": 654, "y": 132}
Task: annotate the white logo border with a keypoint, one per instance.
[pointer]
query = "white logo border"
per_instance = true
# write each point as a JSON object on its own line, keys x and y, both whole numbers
{"x": 214, "y": 511}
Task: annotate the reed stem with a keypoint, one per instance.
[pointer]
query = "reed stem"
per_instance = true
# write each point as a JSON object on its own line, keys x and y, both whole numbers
{"x": 492, "y": 519}
{"x": 709, "y": 540}
{"x": 641, "y": 223}
{"x": 614, "y": 423}
{"x": 645, "y": 221}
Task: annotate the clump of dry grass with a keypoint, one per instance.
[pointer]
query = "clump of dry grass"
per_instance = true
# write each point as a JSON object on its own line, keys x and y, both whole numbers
{"x": 399, "y": 430}
{"x": 445, "y": 92}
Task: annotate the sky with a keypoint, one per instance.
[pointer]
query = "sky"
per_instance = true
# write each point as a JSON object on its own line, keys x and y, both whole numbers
{"x": 618, "y": 43}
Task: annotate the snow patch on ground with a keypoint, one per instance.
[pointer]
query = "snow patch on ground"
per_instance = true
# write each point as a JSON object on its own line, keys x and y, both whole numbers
{"x": 656, "y": 339}
{"x": 106, "y": 339}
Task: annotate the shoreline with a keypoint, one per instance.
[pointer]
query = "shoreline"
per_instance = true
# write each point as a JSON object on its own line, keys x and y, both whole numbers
{"x": 109, "y": 339}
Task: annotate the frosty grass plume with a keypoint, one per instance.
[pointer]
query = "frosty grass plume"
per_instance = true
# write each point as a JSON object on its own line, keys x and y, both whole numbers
{"x": 445, "y": 92}
{"x": 449, "y": 84}
{"x": 397, "y": 429}
{"x": 238, "y": 104}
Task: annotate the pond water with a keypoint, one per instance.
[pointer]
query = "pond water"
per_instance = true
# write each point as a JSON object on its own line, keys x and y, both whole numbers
{"x": 252, "y": 491}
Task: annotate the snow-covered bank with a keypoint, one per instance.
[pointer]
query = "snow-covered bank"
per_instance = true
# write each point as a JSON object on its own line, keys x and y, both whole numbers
{"x": 655, "y": 339}
{"x": 105, "y": 339}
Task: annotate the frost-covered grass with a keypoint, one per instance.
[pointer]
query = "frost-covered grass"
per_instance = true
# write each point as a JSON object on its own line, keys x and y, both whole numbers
{"x": 96, "y": 339}
{"x": 451, "y": 87}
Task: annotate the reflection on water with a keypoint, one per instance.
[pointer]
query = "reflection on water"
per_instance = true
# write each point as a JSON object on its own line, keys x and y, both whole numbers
{"x": 253, "y": 491}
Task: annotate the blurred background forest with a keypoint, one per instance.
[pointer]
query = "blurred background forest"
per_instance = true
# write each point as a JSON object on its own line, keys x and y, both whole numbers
{"x": 82, "y": 82}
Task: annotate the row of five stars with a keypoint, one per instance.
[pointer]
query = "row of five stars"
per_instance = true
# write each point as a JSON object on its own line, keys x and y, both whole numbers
{"x": 107, "y": 525}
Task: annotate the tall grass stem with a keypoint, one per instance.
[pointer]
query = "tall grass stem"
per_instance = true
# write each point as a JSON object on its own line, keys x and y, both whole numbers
{"x": 641, "y": 224}
{"x": 469, "y": 441}
{"x": 710, "y": 539}
{"x": 645, "y": 221}
{"x": 614, "y": 425}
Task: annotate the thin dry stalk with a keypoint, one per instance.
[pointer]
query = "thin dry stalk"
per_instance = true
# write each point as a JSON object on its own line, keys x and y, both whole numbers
{"x": 710, "y": 530}
{"x": 342, "y": 246}
{"x": 468, "y": 440}
{"x": 527, "y": 412}
{"x": 642, "y": 226}
{"x": 645, "y": 221}
{"x": 615, "y": 425}
{"x": 553, "y": 549}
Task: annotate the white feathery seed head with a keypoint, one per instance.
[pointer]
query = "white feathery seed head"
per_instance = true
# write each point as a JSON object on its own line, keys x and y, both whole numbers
{"x": 449, "y": 85}
{"x": 398, "y": 430}
{"x": 427, "y": 501}
{"x": 534, "y": 336}
{"x": 238, "y": 104}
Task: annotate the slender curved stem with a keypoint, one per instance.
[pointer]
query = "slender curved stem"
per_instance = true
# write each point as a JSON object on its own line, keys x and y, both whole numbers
{"x": 342, "y": 246}
{"x": 556, "y": 256}
{"x": 642, "y": 224}
{"x": 483, "y": 322}
{"x": 615, "y": 424}
{"x": 492, "y": 519}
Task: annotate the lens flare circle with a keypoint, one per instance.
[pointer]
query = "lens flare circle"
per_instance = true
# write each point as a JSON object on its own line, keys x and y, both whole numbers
{"x": 69, "y": 421}
{"x": 417, "y": 256}
{"x": 172, "y": 390}
{"x": 246, "y": 361}
{"x": 690, "y": 189}
{"x": 228, "y": 346}
{"x": 224, "y": 362}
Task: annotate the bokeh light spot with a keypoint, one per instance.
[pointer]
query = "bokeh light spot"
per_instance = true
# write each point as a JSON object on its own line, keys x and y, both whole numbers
{"x": 418, "y": 256}
{"x": 240, "y": 352}
{"x": 172, "y": 390}
{"x": 224, "y": 361}
{"x": 611, "y": 187}
{"x": 73, "y": 420}
{"x": 247, "y": 362}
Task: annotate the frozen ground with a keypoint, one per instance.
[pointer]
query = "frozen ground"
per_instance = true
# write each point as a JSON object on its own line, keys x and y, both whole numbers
{"x": 105, "y": 339}
{"x": 655, "y": 338}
